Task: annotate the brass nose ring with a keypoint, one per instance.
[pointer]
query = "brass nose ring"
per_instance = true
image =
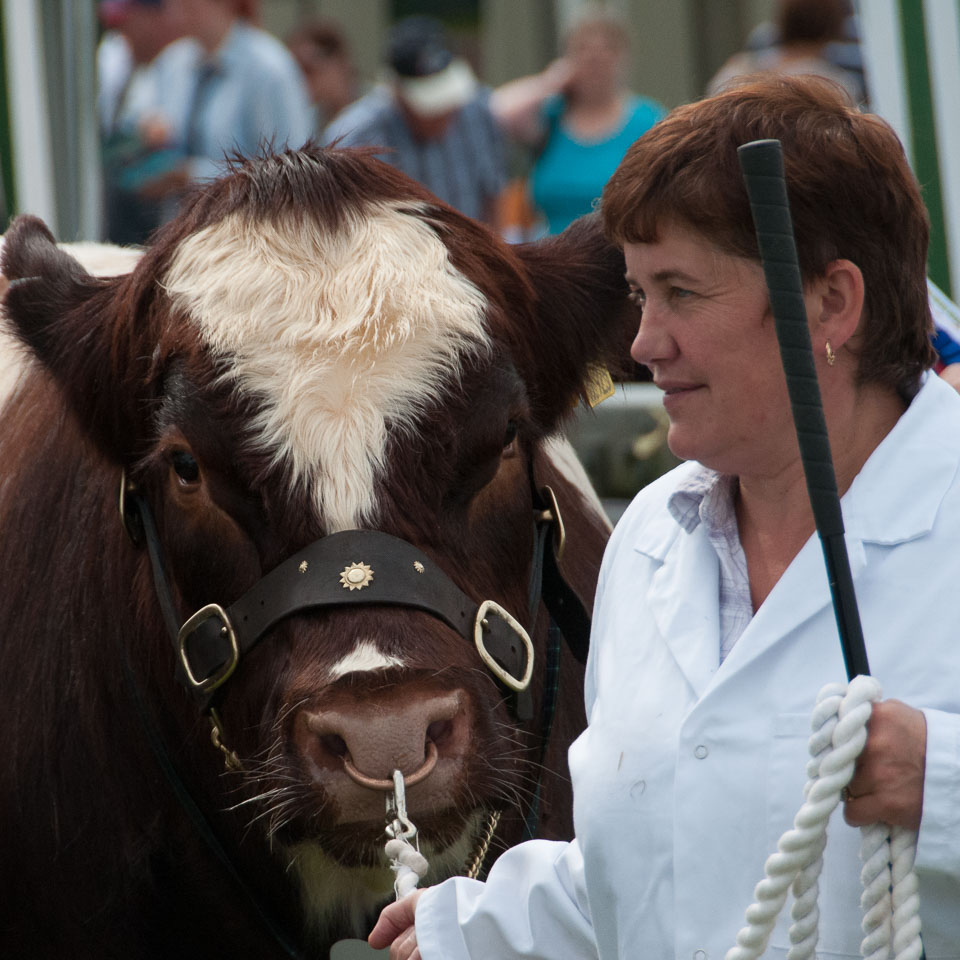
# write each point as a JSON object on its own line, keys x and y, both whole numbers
{"x": 372, "y": 783}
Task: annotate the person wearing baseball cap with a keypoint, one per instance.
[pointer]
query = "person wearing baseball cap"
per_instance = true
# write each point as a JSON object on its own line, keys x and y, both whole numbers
{"x": 427, "y": 77}
{"x": 432, "y": 119}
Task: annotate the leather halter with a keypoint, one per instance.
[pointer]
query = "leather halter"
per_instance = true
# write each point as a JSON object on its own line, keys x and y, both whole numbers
{"x": 356, "y": 568}
{"x": 207, "y": 655}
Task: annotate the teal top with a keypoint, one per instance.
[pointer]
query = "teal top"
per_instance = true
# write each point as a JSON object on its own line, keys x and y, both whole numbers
{"x": 569, "y": 174}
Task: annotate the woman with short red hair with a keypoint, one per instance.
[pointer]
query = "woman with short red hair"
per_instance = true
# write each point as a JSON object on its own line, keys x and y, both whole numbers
{"x": 713, "y": 628}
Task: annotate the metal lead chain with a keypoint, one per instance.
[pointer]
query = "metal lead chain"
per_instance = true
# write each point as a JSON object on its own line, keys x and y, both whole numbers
{"x": 230, "y": 759}
{"x": 399, "y": 825}
{"x": 475, "y": 864}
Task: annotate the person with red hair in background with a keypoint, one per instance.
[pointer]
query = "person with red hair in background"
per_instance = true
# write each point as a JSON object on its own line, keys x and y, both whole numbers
{"x": 804, "y": 32}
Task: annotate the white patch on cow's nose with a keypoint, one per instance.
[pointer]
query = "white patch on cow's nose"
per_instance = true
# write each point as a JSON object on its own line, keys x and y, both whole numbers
{"x": 364, "y": 658}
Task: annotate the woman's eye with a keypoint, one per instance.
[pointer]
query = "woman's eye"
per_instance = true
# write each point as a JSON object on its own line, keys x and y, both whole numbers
{"x": 637, "y": 298}
{"x": 679, "y": 293}
{"x": 511, "y": 433}
{"x": 185, "y": 466}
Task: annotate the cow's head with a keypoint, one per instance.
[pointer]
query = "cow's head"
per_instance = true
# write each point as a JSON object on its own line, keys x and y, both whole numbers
{"x": 316, "y": 345}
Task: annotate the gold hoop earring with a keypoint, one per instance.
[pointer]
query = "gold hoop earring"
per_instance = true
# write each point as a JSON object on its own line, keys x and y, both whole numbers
{"x": 831, "y": 356}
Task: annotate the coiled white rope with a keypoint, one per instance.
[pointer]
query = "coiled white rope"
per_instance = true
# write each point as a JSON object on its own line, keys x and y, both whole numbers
{"x": 890, "y": 901}
{"x": 408, "y": 864}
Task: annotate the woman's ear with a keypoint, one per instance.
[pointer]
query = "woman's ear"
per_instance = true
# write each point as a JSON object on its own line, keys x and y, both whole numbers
{"x": 838, "y": 298}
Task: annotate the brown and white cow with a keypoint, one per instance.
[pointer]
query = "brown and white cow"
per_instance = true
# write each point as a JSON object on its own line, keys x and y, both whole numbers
{"x": 316, "y": 345}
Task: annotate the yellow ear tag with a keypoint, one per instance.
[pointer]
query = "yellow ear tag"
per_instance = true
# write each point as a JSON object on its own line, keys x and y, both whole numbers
{"x": 599, "y": 384}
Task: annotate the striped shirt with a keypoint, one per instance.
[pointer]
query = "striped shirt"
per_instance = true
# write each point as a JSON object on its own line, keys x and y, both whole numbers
{"x": 466, "y": 167}
{"x": 707, "y": 497}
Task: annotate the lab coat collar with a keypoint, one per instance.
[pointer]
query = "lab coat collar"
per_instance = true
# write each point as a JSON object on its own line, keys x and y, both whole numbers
{"x": 895, "y": 498}
{"x": 683, "y": 603}
{"x": 897, "y": 494}
{"x": 686, "y": 618}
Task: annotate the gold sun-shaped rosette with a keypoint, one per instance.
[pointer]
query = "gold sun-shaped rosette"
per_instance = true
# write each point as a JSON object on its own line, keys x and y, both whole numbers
{"x": 356, "y": 576}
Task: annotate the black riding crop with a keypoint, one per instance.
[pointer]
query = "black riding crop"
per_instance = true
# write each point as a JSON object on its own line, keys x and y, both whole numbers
{"x": 761, "y": 163}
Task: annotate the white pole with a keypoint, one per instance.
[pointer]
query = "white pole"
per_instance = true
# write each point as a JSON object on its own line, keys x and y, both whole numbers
{"x": 943, "y": 40}
{"x": 29, "y": 123}
{"x": 882, "y": 46}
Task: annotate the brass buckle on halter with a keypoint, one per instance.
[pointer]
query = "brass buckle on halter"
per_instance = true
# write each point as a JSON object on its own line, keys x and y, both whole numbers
{"x": 552, "y": 514}
{"x": 222, "y": 674}
{"x": 480, "y": 623}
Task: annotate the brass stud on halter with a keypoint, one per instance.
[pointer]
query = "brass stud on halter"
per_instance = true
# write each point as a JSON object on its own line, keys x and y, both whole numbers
{"x": 356, "y": 576}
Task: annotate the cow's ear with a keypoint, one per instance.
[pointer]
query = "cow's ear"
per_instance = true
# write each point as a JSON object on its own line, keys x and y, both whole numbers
{"x": 584, "y": 320}
{"x": 44, "y": 284}
{"x": 58, "y": 310}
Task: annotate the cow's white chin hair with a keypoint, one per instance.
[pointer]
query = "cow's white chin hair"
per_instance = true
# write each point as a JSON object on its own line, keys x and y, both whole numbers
{"x": 348, "y": 896}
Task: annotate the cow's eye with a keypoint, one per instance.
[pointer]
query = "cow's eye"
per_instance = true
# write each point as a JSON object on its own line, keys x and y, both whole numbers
{"x": 185, "y": 466}
{"x": 511, "y": 433}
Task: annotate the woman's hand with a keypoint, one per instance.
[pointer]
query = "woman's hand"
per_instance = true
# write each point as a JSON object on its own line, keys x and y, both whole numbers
{"x": 887, "y": 784}
{"x": 395, "y": 929}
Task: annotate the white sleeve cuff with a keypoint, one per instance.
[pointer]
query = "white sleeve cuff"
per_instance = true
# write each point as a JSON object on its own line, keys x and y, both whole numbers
{"x": 532, "y": 907}
{"x": 938, "y": 842}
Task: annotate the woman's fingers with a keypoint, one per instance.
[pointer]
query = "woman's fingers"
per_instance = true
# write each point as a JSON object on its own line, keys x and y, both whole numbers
{"x": 395, "y": 919}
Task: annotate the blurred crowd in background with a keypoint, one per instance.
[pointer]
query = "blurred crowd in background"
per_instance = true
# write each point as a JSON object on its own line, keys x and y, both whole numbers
{"x": 185, "y": 84}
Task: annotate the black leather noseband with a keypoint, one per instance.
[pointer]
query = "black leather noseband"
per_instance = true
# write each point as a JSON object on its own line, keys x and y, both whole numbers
{"x": 385, "y": 571}
{"x": 359, "y": 568}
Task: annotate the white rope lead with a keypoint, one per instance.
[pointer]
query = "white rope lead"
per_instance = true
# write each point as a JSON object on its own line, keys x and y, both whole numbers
{"x": 408, "y": 864}
{"x": 890, "y": 900}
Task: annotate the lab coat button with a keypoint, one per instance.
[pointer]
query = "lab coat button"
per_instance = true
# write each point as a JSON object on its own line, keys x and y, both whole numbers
{"x": 700, "y": 751}
{"x": 699, "y": 955}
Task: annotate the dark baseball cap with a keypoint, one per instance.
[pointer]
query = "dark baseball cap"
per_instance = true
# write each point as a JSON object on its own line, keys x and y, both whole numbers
{"x": 429, "y": 77}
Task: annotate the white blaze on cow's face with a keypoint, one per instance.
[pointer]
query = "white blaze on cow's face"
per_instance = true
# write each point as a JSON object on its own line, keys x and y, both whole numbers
{"x": 364, "y": 658}
{"x": 340, "y": 334}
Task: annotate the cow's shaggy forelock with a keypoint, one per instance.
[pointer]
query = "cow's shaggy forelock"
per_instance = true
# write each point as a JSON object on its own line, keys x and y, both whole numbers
{"x": 338, "y": 334}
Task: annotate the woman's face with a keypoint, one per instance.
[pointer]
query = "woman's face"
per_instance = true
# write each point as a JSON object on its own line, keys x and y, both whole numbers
{"x": 597, "y": 57}
{"x": 707, "y": 334}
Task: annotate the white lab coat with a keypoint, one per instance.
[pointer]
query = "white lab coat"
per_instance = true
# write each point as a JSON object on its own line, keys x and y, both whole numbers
{"x": 690, "y": 770}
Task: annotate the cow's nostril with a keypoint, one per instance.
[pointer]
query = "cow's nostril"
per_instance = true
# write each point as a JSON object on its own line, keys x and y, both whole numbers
{"x": 334, "y": 744}
{"x": 367, "y": 738}
{"x": 438, "y": 731}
